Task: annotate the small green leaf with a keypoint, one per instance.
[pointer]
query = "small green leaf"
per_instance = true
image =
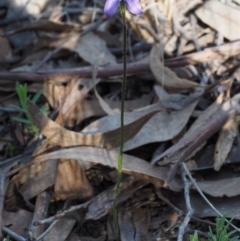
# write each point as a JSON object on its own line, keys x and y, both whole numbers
{"x": 44, "y": 109}
{"x": 37, "y": 96}
{"x": 22, "y": 120}
{"x": 18, "y": 108}
{"x": 194, "y": 237}
{"x": 22, "y": 94}
{"x": 222, "y": 225}
{"x": 8, "y": 238}
{"x": 232, "y": 232}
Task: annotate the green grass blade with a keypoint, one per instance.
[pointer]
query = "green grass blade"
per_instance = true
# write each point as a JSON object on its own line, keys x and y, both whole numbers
{"x": 18, "y": 108}
{"x": 22, "y": 120}
{"x": 194, "y": 237}
{"x": 44, "y": 109}
{"x": 22, "y": 94}
{"x": 37, "y": 96}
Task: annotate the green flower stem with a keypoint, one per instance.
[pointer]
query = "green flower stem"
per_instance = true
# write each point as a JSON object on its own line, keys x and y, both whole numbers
{"x": 120, "y": 154}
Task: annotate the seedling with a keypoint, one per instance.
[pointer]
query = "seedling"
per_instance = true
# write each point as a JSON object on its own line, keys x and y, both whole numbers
{"x": 194, "y": 237}
{"x": 221, "y": 234}
{"x": 28, "y": 121}
{"x": 8, "y": 238}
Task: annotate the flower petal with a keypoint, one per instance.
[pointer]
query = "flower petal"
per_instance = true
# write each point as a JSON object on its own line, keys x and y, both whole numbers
{"x": 111, "y": 7}
{"x": 133, "y": 6}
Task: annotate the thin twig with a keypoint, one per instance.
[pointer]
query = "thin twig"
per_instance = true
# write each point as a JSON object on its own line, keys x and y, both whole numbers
{"x": 47, "y": 230}
{"x": 203, "y": 196}
{"x": 13, "y": 234}
{"x": 161, "y": 196}
{"x": 20, "y": 238}
{"x": 181, "y": 212}
{"x": 62, "y": 214}
{"x": 190, "y": 212}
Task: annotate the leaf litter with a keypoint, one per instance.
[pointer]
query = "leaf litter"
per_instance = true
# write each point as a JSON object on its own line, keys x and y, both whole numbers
{"x": 182, "y": 105}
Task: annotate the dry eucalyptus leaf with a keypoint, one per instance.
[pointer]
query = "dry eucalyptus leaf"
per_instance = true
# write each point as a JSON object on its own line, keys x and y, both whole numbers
{"x": 221, "y": 17}
{"x": 54, "y": 93}
{"x": 207, "y": 115}
{"x": 213, "y": 121}
{"x": 18, "y": 221}
{"x": 222, "y": 187}
{"x": 88, "y": 107}
{"x": 31, "y": 181}
{"x": 131, "y": 165}
{"x": 75, "y": 92}
{"x": 176, "y": 101}
{"x": 91, "y": 107}
{"x": 224, "y": 144}
{"x": 227, "y": 205}
{"x": 112, "y": 122}
{"x": 163, "y": 126}
{"x": 58, "y": 135}
{"x": 90, "y": 46}
{"x": 71, "y": 181}
{"x": 102, "y": 103}
{"x": 164, "y": 76}
{"x": 203, "y": 120}
{"x": 61, "y": 230}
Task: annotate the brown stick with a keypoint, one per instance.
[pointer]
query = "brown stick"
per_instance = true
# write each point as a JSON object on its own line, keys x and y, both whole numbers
{"x": 61, "y": 75}
{"x": 206, "y": 55}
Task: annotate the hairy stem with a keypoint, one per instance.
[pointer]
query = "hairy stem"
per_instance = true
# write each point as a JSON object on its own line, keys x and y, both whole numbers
{"x": 120, "y": 154}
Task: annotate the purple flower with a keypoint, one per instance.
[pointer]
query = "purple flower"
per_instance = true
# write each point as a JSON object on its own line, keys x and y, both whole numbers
{"x": 133, "y": 6}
